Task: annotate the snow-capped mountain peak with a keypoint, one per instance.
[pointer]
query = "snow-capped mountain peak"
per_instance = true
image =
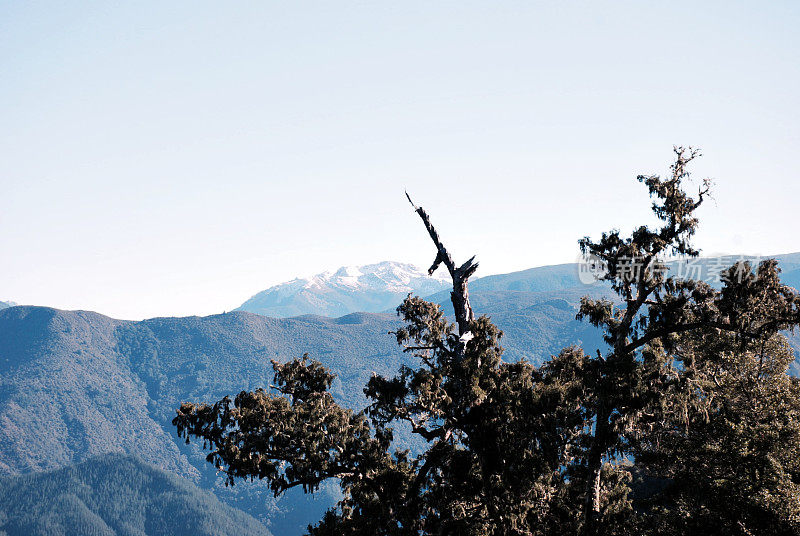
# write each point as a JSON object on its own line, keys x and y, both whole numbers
{"x": 386, "y": 275}
{"x": 368, "y": 288}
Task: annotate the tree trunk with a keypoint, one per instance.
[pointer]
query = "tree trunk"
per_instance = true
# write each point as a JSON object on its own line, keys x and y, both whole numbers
{"x": 591, "y": 508}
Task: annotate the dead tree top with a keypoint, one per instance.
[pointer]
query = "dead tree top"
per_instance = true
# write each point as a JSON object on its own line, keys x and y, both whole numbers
{"x": 460, "y": 275}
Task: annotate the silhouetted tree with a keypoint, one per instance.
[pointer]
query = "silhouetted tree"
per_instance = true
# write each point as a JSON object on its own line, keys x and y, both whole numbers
{"x": 656, "y": 309}
{"x": 498, "y": 438}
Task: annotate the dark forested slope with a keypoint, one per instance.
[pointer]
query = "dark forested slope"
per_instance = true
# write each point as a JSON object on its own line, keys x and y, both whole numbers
{"x": 115, "y": 495}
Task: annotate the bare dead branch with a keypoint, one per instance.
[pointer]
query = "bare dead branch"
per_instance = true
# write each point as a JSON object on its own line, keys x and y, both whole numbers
{"x": 460, "y": 275}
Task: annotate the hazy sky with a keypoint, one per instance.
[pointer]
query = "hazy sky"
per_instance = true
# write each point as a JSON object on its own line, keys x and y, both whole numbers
{"x": 173, "y": 158}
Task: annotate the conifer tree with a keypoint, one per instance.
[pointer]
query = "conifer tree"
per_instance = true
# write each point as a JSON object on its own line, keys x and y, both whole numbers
{"x": 497, "y": 439}
{"x": 654, "y": 310}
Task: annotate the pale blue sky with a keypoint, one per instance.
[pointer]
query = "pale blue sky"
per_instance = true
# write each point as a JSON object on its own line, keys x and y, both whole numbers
{"x": 174, "y": 158}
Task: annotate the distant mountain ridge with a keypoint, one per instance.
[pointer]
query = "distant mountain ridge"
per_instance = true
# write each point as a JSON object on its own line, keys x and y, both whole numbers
{"x": 381, "y": 287}
{"x": 76, "y": 384}
{"x": 370, "y": 288}
{"x": 567, "y": 276}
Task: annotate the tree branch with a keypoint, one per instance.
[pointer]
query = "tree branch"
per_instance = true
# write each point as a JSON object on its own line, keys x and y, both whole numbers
{"x": 460, "y": 275}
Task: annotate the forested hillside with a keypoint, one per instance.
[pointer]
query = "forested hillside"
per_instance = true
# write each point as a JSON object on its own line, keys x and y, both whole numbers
{"x": 115, "y": 495}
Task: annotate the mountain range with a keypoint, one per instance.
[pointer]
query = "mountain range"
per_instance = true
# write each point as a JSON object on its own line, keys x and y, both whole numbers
{"x": 75, "y": 385}
{"x": 381, "y": 287}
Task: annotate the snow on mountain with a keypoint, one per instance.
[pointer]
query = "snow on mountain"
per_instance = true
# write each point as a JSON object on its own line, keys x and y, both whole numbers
{"x": 369, "y": 288}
